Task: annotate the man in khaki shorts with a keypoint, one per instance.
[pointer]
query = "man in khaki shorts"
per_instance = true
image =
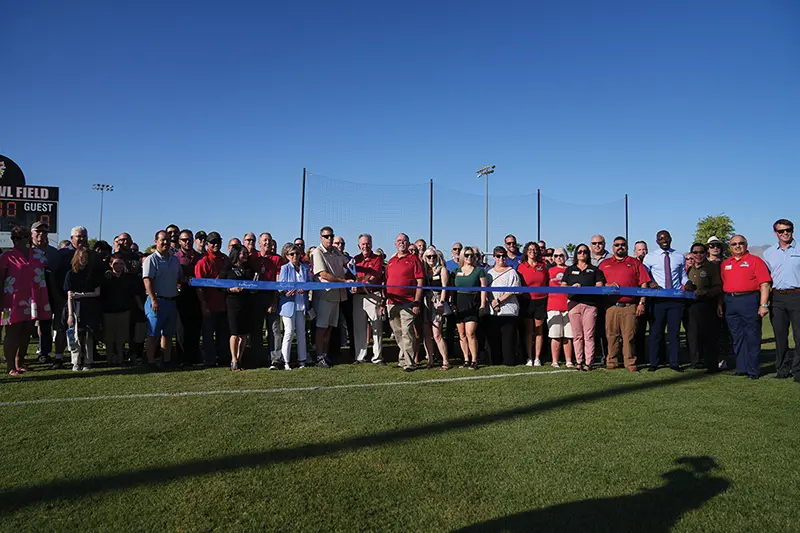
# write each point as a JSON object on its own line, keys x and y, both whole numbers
{"x": 329, "y": 266}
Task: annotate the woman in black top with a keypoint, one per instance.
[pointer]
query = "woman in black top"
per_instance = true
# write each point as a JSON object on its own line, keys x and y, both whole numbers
{"x": 82, "y": 310}
{"x": 583, "y": 307}
{"x": 240, "y": 304}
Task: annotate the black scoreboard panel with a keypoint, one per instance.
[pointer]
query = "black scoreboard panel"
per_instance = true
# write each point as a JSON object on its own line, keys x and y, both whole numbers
{"x": 23, "y": 205}
{"x": 25, "y": 213}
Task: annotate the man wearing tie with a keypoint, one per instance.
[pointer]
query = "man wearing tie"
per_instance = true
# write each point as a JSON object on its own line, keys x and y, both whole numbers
{"x": 667, "y": 269}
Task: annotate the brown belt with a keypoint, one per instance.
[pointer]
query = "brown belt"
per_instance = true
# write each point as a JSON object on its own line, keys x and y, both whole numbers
{"x": 785, "y": 291}
{"x": 741, "y": 293}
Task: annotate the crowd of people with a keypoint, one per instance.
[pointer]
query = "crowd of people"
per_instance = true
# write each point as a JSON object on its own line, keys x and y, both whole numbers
{"x": 142, "y": 306}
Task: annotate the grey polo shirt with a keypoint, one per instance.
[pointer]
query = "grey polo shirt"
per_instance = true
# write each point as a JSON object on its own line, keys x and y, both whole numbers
{"x": 164, "y": 272}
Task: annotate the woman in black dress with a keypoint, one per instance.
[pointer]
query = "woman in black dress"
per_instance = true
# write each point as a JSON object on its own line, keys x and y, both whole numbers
{"x": 240, "y": 304}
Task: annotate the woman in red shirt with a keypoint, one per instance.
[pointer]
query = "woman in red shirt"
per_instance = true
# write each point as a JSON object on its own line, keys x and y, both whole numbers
{"x": 533, "y": 306}
{"x": 559, "y": 328}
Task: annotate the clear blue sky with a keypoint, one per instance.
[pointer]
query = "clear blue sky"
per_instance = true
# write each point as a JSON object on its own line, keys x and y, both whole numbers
{"x": 205, "y": 113}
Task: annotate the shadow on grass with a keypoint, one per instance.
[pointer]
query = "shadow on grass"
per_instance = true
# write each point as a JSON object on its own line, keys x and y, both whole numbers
{"x": 15, "y": 499}
{"x": 97, "y": 371}
{"x": 653, "y": 510}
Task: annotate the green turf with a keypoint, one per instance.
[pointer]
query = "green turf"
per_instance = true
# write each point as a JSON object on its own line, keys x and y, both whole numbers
{"x": 604, "y": 451}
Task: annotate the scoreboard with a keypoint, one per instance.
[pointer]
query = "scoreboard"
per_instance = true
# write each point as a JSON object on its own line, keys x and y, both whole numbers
{"x": 22, "y": 206}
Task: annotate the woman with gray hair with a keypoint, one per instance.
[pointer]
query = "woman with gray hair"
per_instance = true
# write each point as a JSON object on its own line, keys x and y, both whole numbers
{"x": 294, "y": 305}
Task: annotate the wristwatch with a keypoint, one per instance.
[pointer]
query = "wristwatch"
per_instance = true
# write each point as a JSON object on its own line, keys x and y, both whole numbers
{"x": 764, "y": 305}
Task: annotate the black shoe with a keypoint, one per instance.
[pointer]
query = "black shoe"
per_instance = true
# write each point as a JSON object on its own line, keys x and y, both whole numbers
{"x": 152, "y": 367}
{"x": 753, "y": 377}
{"x": 781, "y": 376}
{"x": 323, "y": 363}
{"x": 57, "y": 364}
{"x": 380, "y": 363}
{"x": 739, "y": 374}
{"x": 408, "y": 369}
{"x": 356, "y": 362}
{"x": 43, "y": 359}
{"x": 676, "y": 369}
{"x": 652, "y": 368}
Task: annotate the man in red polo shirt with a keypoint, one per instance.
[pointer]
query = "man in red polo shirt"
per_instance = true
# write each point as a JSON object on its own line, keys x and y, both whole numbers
{"x": 216, "y": 336}
{"x": 367, "y": 303}
{"x": 404, "y": 304}
{"x": 622, "y": 270}
{"x": 745, "y": 282}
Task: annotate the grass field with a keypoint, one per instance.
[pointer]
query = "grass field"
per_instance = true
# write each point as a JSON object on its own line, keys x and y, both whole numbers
{"x": 533, "y": 450}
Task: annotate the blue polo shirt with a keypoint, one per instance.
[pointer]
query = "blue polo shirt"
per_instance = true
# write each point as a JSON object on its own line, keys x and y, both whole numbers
{"x": 784, "y": 266}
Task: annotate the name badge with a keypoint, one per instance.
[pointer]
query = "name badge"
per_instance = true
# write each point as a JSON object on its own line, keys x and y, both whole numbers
{"x": 728, "y": 267}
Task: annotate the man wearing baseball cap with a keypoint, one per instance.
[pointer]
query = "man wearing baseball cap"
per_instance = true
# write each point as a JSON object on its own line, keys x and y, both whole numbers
{"x": 216, "y": 335}
{"x": 49, "y": 257}
{"x": 714, "y": 246}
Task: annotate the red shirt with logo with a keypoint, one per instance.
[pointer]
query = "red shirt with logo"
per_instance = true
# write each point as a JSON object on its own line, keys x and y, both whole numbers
{"x": 404, "y": 270}
{"x": 557, "y": 302}
{"x": 211, "y": 266}
{"x": 745, "y": 274}
{"x": 534, "y": 276}
{"x": 626, "y": 272}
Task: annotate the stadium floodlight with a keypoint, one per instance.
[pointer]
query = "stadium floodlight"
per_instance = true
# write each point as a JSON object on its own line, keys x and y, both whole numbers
{"x": 485, "y": 171}
{"x": 103, "y": 188}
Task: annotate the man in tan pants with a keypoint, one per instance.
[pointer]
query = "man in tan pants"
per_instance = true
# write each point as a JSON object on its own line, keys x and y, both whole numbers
{"x": 621, "y": 270}
{"x": 404, "y": 304}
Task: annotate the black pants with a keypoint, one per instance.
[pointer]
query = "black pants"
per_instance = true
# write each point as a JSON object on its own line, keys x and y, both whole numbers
{"x": 702, "y": 333}
{"x": 190, "y": 324}
{"x": 257, "y": 354}
{"x": 45, "y": 337}
{"x": 502, "y": 336}
{"x": 785, "y": 312}
{"x": 600, "y": 339}
{"x": 640, "y": 340}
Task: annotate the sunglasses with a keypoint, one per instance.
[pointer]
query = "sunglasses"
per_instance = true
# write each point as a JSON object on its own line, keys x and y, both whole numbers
{"x": 249, "y": 240}
{"x": 579, "y": 252}
{"x": 782, "y": 231}
{"x": 698, "y": 252}
{"x": 184, "y": 239}
{"x": 512, "y": 243}
{"x": 715, "y": 245}
{"x": 456, "y": 249}
{"x": 215, "y": 243}
{"x": 601, "y": 243}
{"x": 430, "y": 256}
{"x": 292, "y": 253}
{"x": 328, "y": 236}
{"x": 737, "y": 243}
{"x": 468, "y": 255}
{"x": 620, "y": 245}
{"x": 559, "y": 255}
{"x": 499, "y": 256}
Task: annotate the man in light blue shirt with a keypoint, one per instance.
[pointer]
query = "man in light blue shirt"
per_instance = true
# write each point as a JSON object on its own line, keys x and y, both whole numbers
{"x": 453, "y": 263}
{"x": 667, "y": 268}
{"x": 783, "y": 261}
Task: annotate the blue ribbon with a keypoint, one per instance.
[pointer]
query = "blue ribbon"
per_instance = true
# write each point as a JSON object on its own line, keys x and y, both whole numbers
{"x": 322, "y": 286}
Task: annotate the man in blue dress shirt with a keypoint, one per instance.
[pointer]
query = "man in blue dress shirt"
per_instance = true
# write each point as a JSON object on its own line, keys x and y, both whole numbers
{"x": 783, "y": 261}
{"x": 667, "y": 268}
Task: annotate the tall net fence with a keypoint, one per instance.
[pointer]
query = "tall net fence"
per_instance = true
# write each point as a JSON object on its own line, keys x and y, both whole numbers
{"x": 575, "y": 222}
{"x": 380, "y": 209}
{"x": 385, "y": 209}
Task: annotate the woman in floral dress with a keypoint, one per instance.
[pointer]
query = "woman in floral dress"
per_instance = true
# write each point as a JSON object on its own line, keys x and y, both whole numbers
{"x": 24, "y": 298}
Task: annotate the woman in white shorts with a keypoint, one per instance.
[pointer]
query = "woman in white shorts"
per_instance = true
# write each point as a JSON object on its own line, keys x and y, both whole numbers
{"x": 558, "y": 326}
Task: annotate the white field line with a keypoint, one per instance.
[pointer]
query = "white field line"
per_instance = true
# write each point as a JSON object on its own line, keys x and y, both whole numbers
{"x": 270, "y": 391}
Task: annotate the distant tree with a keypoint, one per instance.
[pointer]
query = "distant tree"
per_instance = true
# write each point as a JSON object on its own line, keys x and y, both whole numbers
{"x": 720, "y": 226}
{"x": 92, "y": 242}
{"x": 571, "y": 248}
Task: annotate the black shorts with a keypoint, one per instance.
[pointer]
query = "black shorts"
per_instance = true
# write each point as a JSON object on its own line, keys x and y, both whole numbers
{"x": 467, "y": 315}
{"x": 534, "y": 308}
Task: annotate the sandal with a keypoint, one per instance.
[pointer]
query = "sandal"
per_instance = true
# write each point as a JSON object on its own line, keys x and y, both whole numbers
{"x": 466, "y": 364}
{"x": 473, "y": 366}
{"x": 445, "y": 366}
{"x": 14, "y": 372}
{"x": 570, "y": 365}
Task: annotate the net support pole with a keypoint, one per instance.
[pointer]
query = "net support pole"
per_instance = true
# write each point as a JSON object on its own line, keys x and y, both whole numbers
{"x": 303, "y": 206}
{"x": 538, "y": 214}
{"x": 626, "y": 217}
{"x": 430, "y": 222}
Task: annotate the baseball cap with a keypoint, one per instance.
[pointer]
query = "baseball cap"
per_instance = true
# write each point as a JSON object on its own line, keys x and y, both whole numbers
{"x": 713, "y": 239}
{"x": 201, "y": 235}
{"x": 40, "y": 226}
{"x": 214, "y": 236}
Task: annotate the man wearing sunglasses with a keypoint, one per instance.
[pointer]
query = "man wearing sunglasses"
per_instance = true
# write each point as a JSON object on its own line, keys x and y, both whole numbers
{"x": 216, "y": 334}
{"x": 452, "y": 264}
{"x": 622, "y": 270}
{"x": 513, "y": 255}
{"x": 783, "y": 261}
{"x": 745, "y": 282}
{"x": 714, "y": 246}
{"x": 265, "y": 304}
{"x": 404, "y": 305}
{"x": 702, "y": 332}
{"x": 329, "y": 266}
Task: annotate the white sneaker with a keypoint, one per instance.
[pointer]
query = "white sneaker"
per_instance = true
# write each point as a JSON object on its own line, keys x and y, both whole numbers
{"x": 302, "y": 364}
{"x": 76, "y": 368}
{"x": 529, "y": 363}
{"x": 723, "y": 365}
{"x": 287, "y": 367}
{"x": 537, "y": 362}
{"x": 273, "y": 366}
{"x": 86, "y": 367}
{"x": 554, "y": 365}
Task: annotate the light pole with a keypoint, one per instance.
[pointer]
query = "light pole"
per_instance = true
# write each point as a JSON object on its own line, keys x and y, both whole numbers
{"x": 103, "y": 188}
{"x": 485, "y": 171}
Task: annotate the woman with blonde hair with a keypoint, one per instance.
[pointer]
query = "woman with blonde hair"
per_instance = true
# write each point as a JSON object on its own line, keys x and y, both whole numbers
{"x": 470, "y": 305}
{"x": 435, "y": 306}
